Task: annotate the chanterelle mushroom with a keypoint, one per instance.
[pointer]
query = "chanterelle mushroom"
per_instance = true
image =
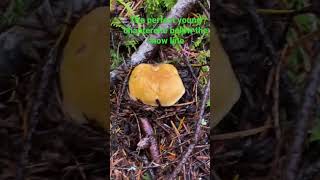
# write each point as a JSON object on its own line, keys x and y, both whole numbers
{"x": 161, "y": 82}
{"x": 83, "y": 69}
{"x": 226, "y": 88}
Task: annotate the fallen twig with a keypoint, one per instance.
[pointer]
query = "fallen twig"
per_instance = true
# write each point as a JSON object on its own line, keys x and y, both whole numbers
{"x": 302, "y": 121}
{"x": 186, "y": 59}
{"x": 262, "y": 31}
{"x": 40, "y": 100}
{"x": 276, "y": 116}
{"x": 123, "y": 89}
{"x": 153, "y": 147}
{"x": 240, "y": 134}
{"x": 275, "y": 108}
{"x": 196, "y": 134}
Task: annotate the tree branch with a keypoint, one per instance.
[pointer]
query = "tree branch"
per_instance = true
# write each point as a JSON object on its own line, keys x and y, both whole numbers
{"x": 302, "y": 121}
{"x": 196, "y": 134}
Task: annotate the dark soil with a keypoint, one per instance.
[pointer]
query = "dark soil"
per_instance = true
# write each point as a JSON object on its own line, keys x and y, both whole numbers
{"x": 126, "y": 132}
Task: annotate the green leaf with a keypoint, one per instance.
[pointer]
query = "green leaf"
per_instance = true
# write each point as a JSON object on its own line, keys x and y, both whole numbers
{"x": 146, "y": 176}
{"x": 169, "y": 3}
{"x": 208, "y": 103}
{"x": 306, "y": 22}
{"x": 127, "y": 6}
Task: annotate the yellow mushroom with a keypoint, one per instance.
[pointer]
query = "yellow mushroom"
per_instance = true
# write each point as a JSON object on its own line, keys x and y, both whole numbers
{"x": 226, "y": 88}
{"x": 83, "y": 71}
{"x": 161, "y": 82}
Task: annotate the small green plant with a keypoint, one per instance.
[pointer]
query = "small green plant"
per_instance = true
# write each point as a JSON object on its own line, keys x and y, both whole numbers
{"x": 117, "y": 23}
{"x": 127, "y": 6}
{"x": 155, "y": 8}
{"x": 306, "y": 22}
{"x": 116, "y": 59}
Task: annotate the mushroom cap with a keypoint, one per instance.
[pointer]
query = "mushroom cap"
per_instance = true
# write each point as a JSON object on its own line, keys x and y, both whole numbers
{"x": 225, "y": 86}
{"x": 152, "y": 82}
{"x": 83, "y": 70}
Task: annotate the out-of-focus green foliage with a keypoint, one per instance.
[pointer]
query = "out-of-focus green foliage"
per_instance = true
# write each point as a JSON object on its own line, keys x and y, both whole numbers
{"x": 299, "y": 61}
{"x": 15, "y": 10}
{"x": 315, "y": 133}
